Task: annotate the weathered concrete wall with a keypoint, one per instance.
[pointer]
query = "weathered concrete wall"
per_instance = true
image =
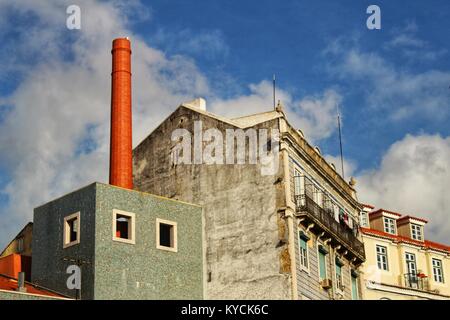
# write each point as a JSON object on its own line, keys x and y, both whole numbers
{"x": 48, "y": 267}
{"x": 245, "y": 258}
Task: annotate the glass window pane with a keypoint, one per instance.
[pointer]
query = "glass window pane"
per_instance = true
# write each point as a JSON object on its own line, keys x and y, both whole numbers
{"x": 322, "y": 265}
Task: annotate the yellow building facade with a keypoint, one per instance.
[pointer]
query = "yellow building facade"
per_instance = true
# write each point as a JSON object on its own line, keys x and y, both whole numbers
{"x": 21, "y": 244}
{"x": 400, "y": 263}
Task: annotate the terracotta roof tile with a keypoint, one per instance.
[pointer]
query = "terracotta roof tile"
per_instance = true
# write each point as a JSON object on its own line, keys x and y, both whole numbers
{"x": 384, "y": 210}
{"x": 411, "y": 217}
{"x": 396, "y": 238}
{"x": 10, "y": 284}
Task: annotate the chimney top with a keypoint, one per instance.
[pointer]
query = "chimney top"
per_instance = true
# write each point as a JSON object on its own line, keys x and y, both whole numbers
{"x": 121, "y": 43}
{"x": 21, "y": 282}
{"x": 198, "y": 103}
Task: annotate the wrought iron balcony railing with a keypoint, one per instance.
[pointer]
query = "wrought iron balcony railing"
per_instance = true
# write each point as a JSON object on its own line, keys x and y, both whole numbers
{"x": 415, "y": 281}
{"x": 326, "y": 219}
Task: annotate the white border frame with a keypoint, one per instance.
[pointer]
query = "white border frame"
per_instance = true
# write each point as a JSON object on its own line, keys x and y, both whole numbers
{"x": 66, "y": 235}
{"x": 174, "y": 235}
{"x": 132, "y": 217}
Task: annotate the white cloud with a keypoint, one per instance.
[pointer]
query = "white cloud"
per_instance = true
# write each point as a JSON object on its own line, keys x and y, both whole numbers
{"x": 413, "y": 179}
{"x": 398, "y": 92}
{"x": 314, "y": 115}
{"x": 317, "y": 115}
{"x": 405, "y": 41}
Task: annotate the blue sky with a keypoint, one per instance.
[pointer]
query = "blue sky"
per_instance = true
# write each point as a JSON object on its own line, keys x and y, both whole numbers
{"x": 391, "y": 85}
{"x": 289, "y": 38}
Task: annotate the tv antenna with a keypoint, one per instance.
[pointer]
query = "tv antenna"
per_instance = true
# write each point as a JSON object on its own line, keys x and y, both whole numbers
{"x": 274, "y": 104}
{"x": 340, "y": 141}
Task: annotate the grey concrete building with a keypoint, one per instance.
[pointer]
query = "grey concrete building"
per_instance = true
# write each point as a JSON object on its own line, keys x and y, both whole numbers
{"x": 292, "y": 234}
{"x": 128, "y": 244}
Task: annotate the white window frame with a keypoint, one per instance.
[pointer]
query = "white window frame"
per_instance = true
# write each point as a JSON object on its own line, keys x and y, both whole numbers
{"x": 340, "y": 279}
{"x": 437, "y": 265}
{"x": 131, "y": 226}
{"x": 318, "y": 261}
{"x": 174, "y": 235}
{"x": 66, "y": 230}
{"x": 20, "y": 244}
{"x": 364, "y": 219}
{"x": 298, "y": 183}
{"x": 357, "y": 285}
{"x": 416, "y": 232}
{"x": 382, "y": 254}
{"x": 389, "y": 225}
{"x": 300, "y": 255}
{"x": 411, "y": 260}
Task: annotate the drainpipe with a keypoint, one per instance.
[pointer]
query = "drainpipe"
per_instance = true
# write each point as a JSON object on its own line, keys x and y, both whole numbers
{"x": 290, "y": 219}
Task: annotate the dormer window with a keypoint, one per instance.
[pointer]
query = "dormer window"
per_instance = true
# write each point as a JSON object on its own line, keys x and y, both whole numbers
{"x": 411, "y": 227}
{"x": 389, "y": 225}
{"x": 416, "y": 232}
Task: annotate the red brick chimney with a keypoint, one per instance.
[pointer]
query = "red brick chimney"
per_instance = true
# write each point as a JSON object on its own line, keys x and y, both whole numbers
{"x": 120, "y": 166}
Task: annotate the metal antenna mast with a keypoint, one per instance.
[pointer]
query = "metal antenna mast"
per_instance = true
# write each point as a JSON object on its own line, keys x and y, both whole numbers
{"x": 274, "y": 105}
{"x": 340, "y": 142}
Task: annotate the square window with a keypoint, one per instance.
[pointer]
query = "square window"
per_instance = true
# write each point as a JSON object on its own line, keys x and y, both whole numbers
{"x": 123, "y": 226}
{"x": 166, "y": 235}
{"x": 71, "y": 230}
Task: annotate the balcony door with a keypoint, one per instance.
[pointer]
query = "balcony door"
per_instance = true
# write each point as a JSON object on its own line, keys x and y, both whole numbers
{"x": 299, "y": 188}
{"x": 411, "y": 266}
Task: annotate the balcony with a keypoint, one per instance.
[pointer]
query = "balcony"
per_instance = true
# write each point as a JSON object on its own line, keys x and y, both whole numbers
{"x": 415, "y": 281}
{"x": 324, "y": 221}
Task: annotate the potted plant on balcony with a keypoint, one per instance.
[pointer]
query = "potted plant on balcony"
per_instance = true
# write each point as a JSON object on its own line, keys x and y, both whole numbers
{"x": 421, "y": 275}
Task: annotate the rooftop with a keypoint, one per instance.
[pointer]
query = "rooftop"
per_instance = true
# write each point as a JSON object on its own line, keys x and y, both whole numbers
{"x": 427, "y": 244}
{"x": 367, "y": 205}
{"x": 381, "y": 210}
{"x": 412, "y": 218}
